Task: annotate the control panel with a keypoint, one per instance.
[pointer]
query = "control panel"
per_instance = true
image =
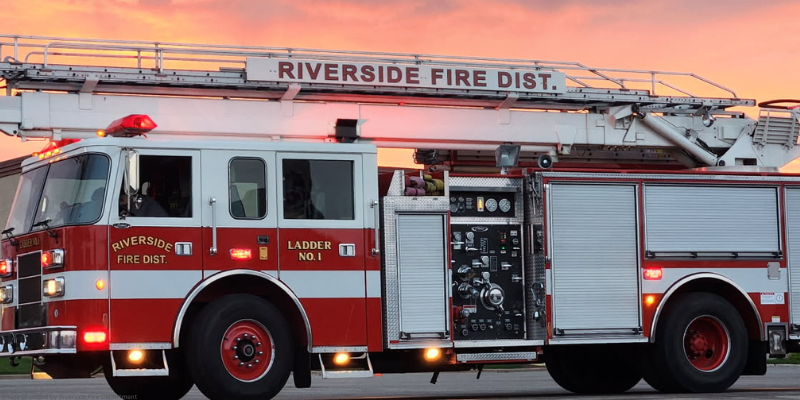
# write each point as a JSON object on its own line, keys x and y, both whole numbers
{"x": 487, "y": 281}
{"x": 482, "y": 204}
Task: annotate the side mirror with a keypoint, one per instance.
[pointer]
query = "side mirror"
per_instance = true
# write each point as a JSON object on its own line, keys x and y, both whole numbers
{"x": 131, "y": 172}
{"x": 131, "y": 179}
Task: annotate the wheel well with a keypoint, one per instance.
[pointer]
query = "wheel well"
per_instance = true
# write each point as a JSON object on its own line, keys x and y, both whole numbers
{"x": 249, "y": 284}
{"x": 725, "y": 290}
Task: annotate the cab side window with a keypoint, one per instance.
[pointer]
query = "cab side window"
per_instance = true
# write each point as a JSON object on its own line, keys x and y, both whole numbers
{"x": 165, "y": 188}
{"x": 318, "y": 189}
{"x": 247, "y": 181}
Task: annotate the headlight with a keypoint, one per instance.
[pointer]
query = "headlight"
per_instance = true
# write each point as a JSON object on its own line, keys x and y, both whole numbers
{"x": 6, "y": 294}
{"x": 53, "y": 287}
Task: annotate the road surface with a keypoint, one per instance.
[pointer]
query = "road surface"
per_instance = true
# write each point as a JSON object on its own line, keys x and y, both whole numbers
{"x": 780, "y": 382}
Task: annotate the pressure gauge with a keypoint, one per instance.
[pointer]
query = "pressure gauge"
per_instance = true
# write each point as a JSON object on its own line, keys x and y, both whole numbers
{"x": 505, "y": 205}
{"x": 491, "y": 205}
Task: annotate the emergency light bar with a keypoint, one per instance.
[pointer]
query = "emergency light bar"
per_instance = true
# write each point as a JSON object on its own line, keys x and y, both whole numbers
{"x": 132, "y": 125}
{"x": 53, "y": 148}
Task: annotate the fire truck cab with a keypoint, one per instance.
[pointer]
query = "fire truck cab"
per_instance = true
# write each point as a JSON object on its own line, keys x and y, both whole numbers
{"x": 229, "y": 228}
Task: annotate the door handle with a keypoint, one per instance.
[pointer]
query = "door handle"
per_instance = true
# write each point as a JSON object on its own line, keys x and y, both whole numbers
{"x": 347, "y": 250}
{"x": 183, "y": 248}
{"x": 376, "y": 250}
{"x": 213, "y": 203}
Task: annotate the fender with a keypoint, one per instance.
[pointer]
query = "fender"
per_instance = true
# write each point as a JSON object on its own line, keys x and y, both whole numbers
{"x": 677, "y": 285}
{"x": 205, "y": 283}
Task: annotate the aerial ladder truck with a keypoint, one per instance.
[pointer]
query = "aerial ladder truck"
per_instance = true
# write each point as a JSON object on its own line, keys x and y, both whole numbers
{"x": 217, "y": 216}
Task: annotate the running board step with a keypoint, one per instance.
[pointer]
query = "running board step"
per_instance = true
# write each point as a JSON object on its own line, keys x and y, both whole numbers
{"x": 152, "y": 358}
{"x": 519, "y": 356}
{"x": 356, "y": 367}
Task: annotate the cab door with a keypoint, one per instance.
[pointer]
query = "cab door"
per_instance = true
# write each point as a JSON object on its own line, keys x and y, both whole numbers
{"x": 322, "y": 242}
{"x": 155, "y": 244}
{"x": 239, "y": 194}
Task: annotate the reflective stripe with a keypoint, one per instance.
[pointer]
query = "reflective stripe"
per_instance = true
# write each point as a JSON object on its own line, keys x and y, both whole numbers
{"x": 325, "y": 284}
{"x": 153, "y": 284}
{"x": 177, "y": 284}
{"x": 373, "y": 283}
{"x": 751, "y": 280}
{"x": 79, "y": 285}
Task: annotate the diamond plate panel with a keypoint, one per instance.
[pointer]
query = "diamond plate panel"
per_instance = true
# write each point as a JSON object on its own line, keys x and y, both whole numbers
{"x": 391, "y": 206}
{"x": 505, "y": 356}
{"x": 496, "y": 343}
{"x": 490, "y": 184}
{"x": 534, "y": 259}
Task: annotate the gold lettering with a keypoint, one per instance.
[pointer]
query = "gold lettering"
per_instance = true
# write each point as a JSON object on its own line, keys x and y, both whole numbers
{"x": 29, "y": 242}
{"x": 142, "y": 240}
{"x": 141, "y": 258}
{"x": 327, "y": 245}
{"x": 309, "y": 256}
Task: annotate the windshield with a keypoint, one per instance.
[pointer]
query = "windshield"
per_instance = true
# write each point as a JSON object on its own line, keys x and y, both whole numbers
{"x": 66, "y": 192}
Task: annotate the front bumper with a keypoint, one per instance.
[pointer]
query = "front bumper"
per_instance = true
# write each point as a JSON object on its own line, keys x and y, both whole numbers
{"x": 41, "y": 340}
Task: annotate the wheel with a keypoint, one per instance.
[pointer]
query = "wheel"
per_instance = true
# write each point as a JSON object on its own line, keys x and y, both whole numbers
{"x": 172, "y": 387}
{"x": 593, "y": 369}
{"x": 240, "y": 348}
{"x": 701, "y": 346}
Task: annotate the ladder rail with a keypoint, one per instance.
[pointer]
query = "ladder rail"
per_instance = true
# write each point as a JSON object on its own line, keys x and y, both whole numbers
{"x": 162, "y": 53}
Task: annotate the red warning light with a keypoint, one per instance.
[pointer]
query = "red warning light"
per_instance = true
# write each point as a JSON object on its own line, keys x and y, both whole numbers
{"x": 5, "y": 267}
{"x": 53, "y": 147}
{"x": 653, "y": 274}
{"x": 241, "y": 254}
{"x": 94, "y": 337}
{"x": 132, "y": 125}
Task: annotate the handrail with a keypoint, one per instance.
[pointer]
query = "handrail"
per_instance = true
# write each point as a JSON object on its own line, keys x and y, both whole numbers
{"x": 162, "y": 53}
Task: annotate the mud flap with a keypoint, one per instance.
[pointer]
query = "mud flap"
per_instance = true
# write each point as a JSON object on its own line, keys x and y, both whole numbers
{"x": 756, "y": 358}
{"x": 301, "y": 371}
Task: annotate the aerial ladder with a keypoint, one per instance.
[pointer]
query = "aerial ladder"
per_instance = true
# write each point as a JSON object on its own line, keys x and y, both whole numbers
{"x": 454, "y": 111}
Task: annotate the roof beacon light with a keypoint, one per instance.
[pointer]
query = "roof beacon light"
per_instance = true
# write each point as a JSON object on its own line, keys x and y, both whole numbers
{"x": 132, "y": 125}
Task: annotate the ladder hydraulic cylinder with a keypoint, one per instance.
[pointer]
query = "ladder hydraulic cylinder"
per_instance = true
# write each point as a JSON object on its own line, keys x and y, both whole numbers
{"x": 672, "y": 134}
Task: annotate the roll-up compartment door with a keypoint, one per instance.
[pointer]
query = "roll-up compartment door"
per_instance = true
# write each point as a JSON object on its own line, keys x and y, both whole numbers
{"x": 709, "y": 219}
{"x": 793, "y": 228}
{"x": 593, "y": 239}
{"x": 422, "y": 270}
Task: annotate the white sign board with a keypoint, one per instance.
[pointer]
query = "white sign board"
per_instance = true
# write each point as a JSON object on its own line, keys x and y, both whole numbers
{"x": 408, "y": 76}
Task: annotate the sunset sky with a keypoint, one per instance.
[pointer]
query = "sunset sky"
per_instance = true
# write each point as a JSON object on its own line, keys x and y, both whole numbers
{"x": 751, "y": 47}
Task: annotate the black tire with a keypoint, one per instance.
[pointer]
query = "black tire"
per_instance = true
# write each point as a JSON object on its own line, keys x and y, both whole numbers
{"x": 593, "y": 369}
{"x": 172, "y": 387}
{"x": 211, "y": 353}
{"x": 708, "y": 358}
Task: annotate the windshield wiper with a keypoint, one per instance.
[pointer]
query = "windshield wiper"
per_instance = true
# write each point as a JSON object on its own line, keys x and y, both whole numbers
{"x": 11, "y": 240}
{"x": 45, "y": 223}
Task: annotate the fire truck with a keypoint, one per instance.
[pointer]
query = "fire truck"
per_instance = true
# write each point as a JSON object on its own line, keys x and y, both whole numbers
{"x": 217, "y": 216}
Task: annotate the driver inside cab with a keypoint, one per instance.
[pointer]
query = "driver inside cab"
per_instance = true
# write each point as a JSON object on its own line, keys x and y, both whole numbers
{"x": 141, "y": 206}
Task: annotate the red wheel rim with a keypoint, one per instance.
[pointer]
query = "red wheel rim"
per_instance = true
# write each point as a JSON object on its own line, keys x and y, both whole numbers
{"x": 247, "y": 350}
{"x": 706, "y": 343}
